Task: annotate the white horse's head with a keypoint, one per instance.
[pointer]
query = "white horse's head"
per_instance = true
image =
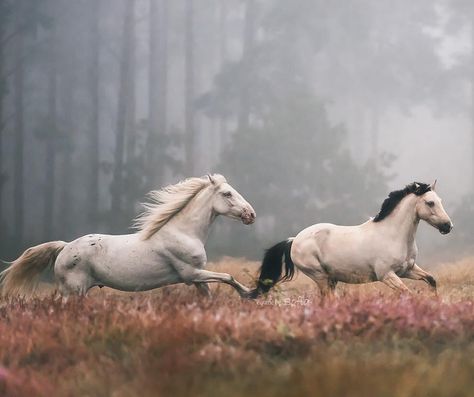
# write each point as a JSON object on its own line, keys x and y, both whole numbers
{"x": 429, "y": 207}
{"x": 229, "y": 202}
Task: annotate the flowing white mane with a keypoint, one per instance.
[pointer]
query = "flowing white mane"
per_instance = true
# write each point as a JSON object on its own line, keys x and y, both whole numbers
{"x": 168, "y": 201}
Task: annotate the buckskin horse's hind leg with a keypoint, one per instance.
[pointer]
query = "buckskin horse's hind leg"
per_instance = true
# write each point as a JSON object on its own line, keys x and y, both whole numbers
{"x": 327, "y": 286}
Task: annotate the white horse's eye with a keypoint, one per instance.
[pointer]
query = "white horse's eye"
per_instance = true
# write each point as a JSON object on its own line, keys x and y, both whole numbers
{"x": 430, "y": 204}
{"x": 227, "y": 194}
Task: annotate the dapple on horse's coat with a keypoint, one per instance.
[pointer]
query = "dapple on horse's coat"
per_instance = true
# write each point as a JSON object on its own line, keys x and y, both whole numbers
{"x": 168, "y": 248}
{"x": 382, "y": 249}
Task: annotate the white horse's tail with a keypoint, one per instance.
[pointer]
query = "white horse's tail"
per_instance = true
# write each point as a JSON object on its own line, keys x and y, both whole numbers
{"x": 23, "y": 275}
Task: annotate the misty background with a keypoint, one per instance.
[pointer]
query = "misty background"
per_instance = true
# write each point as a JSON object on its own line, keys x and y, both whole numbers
{"x": 314, "y": 111}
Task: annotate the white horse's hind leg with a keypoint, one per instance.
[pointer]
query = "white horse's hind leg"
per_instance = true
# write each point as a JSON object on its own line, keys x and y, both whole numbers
{"x": 73, "y": 281}
{"x": 394, "y": 282}
{"x": 72, "y": 272}
{"x": 74, "y": 285}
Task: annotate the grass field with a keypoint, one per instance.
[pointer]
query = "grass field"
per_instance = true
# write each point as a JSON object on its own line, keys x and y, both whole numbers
{"x": 172, "y": 342}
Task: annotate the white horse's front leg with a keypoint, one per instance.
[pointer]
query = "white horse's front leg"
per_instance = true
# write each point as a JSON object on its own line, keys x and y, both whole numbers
{"x": 206, "y": 276}
{"x": 203, "y": 289}
{"x": 196, "y": 275}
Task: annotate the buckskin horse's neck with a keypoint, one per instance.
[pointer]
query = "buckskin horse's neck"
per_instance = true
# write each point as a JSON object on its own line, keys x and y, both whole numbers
{"x": 403, "y": 222}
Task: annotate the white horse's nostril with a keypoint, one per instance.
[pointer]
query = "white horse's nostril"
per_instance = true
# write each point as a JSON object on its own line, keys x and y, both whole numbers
{"x": 248, "y": 216}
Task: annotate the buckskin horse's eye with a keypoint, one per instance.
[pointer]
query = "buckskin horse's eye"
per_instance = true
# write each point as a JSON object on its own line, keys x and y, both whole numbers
{"x": 430, "y": 204}
{"x": 227, "y": 194}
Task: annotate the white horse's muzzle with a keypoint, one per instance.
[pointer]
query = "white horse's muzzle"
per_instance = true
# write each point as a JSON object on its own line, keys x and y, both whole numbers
{"x": 248, "y": 216}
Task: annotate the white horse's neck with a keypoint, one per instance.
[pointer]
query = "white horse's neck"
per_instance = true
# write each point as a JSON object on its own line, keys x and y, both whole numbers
{"x": 197, "y": 217}
{"x": 403, "y": 222}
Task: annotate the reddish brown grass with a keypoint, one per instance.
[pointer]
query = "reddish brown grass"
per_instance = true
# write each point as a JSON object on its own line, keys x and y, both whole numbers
{"x": 369, "y": 341}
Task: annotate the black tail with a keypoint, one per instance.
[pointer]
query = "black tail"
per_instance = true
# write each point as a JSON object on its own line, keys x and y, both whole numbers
{"x": 272, "y": 268}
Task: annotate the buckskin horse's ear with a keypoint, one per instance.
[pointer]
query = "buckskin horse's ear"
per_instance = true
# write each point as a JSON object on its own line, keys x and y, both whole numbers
{"x": 433, "y": 185}
{"x": 211, "y": 179}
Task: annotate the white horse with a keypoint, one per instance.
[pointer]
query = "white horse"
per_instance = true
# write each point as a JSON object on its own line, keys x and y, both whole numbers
{"x": 382, "y": 249}
{"x": 167, "y": 249}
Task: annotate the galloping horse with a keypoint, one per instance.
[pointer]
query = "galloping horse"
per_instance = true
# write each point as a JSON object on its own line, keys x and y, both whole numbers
{"x": 167, "y": 249}
{"x": 381, "y": 249}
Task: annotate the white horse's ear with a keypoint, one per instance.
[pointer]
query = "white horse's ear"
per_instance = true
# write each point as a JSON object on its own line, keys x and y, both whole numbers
{"x": 211, "y": 179}
{"x": 433, "y": 185}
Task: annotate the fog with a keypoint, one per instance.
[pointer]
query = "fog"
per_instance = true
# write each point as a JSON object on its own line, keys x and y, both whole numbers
{"x": 313, "y": 110}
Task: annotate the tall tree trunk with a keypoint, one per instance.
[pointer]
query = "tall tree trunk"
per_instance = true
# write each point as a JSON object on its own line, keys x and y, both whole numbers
{"x": 158, "y": 93}
{"x": 222, "y": 138}
{"x": 472, "y": 95}
{"x": 67, "y": 89}
{"x": 18, "y": 82}
{"x": 374, "y": 133}
{"x": 50, "y": 166}
{"x": 162, "y": 78}
{"x": 130, "y": 171}
{"x": 131, "y": 96}
{"x": 249, "y": 38}
{"x": 189, "y": 124}
{"x": 223, "y": 9}
{"x": 117, "y": 184}
{"x": 2, "y": 117}
{"x": 94, "y": 128}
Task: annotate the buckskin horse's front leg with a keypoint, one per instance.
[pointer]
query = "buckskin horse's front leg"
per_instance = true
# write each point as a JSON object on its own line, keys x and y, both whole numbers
{"x": 394, "y": 282}
{"x": 417, "y": 273}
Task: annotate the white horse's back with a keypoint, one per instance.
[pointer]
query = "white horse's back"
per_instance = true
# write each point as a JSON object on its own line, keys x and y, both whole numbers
{"x": 123, "y": 262}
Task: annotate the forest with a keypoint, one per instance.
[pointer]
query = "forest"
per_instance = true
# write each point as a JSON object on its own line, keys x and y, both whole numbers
{"x": 313, "y": 110}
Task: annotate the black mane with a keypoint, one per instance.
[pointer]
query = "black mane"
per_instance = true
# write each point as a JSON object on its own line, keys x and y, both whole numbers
{"x": 396, "y": 196}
